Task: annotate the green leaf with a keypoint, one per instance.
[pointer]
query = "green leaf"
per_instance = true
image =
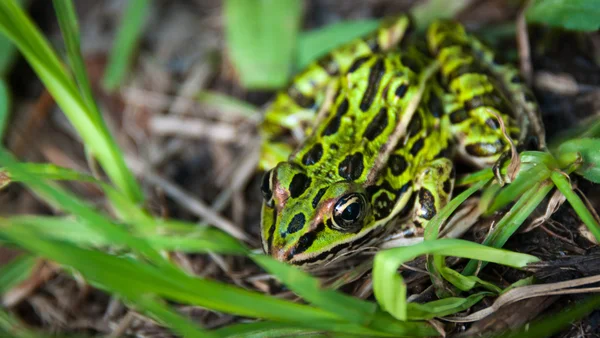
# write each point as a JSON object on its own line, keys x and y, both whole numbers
{"x": 427, "y": 11}
{"x": 126, "y": 42}
{"x": 8, "y": 53}
{"x": 444, "y": 307}
{"x": 316, "y": 43}
{"x": 588, "y": 148}
{"x": 261, "y": 37}
{"x": 4, "y": 107}
{"x": 16, "y": 271}
{"x": 389, "y": 287}
{"x": 564, "y": 185}
{"x": 15, "y": 24}
{"x": 581, "y": 15}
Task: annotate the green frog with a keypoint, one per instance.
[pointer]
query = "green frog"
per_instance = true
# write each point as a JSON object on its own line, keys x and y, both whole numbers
{"x": 369, "y": 134}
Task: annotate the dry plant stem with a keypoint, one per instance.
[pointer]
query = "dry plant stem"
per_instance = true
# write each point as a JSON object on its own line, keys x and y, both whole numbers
{"x": 123, "y": 325}
{"x": 41, "y": 273}
{"x": 523, "y": 45}
{"x": 524, "y": 292}
{"x": 244, "y": 170}
{"x": 194, "y": 128}
{"x": 194, "y": 83}
{"x": 555, "y": 202}
{"x": 185, "y": 199}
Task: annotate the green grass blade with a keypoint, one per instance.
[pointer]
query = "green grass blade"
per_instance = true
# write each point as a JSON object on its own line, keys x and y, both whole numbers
{"x": 16, "y": 271}
{"x": 582, "y": 211}
{"x": 388, "y": 285}
{"x": 67, "y": 19}
{"x": 72, "y": 204}
{"x": 4, "y": 107}
{"x": 444, "y": 307}
{"x": 15, "y": 24}
{"x": 262, "y": 330}
{"x": 511, "y": 221}
{"x": 354, "y": 310}
{"x": 12, "y": 327}
{"x": 133, "y": 279}
{"x": 36, "y": 171}
{"x": 126, "y": 42}
{"x": 181, "y": 325}
{"x": 426, "y": 12}
{"x": 316, "y": 43}
{"x": 587, "y": 148}
{"x": 261, "y": 40}
{"x": 579, "y": 15}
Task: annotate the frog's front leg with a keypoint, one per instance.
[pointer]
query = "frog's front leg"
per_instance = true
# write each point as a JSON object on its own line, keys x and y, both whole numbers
{"x": 433, "y": 189}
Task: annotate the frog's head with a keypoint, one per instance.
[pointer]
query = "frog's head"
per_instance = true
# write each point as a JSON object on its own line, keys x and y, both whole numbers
{"x": 306, "y": 221}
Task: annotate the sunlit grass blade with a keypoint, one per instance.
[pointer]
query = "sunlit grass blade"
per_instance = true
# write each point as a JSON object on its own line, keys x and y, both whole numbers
{"x": 582, "y": 211}
{"x": 169, "y": 236}
{"x": 15, "y": 24}
{"x": 47, "y": 171}
{"x": 352, "y": 309}
{"x": 315, "y": 43}
{"x": 16, "y": 271}
{"x": 263, "y": 329}
{"x": 126, "y": 43}
{"x": 261, "y": 40}
{"x": 181, "y": 325}
{"x": 72, "y": 204}
{"x": 511, "y": 221}
{"x": 524, "y": 182}
{"x": 67, "y": 19}
{"x": 388, "y": 285}
{"x": 444, "y": 307}
{"x": 133, "y": 279}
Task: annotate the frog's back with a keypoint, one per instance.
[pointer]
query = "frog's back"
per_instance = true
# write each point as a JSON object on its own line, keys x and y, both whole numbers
{"x": 358, "y": 116}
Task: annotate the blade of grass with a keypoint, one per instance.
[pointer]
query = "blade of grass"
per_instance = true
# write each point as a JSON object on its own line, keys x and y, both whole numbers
{"x": 17, "y": 26}
{"x": 4, "y": 107}
{"x": 511, "y": 221}
{"x": 132, "y": 279}
{"x": 16, "y": 271}
{"x": 352, "y": 309}
{"x": 427, "y": 11}
{"x": 72, "y": 204}
{"x": 182, "y": 325}
{"x": 261, "y": 38}
{"x": 582, "y": 211}
{"x": 67, "y": 20}
{"x": 126, "y": 42}
{"x": 12, "y": 327}
{"x": 389, "y": 288}
{"x": 316, "y": 43}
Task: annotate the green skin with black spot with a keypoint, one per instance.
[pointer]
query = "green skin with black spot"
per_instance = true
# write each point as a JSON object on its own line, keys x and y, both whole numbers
{"x": 369, "y": 132}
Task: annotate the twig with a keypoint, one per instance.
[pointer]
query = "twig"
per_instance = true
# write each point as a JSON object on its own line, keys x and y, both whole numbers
{"x": 184, "y": 199}
{"x": 523, "y": 45}
{"x": 192, "y": 128}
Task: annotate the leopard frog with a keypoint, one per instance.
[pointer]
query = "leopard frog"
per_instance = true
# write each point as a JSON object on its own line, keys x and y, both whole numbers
{"x": 363, "y": 138}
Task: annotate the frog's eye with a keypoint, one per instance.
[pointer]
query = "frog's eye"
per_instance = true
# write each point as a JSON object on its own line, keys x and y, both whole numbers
{"x": 349, "y": 212}
{"x": 266, "y": 187}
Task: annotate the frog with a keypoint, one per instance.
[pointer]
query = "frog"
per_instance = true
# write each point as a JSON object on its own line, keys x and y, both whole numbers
{"x": 364, "y": 142}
